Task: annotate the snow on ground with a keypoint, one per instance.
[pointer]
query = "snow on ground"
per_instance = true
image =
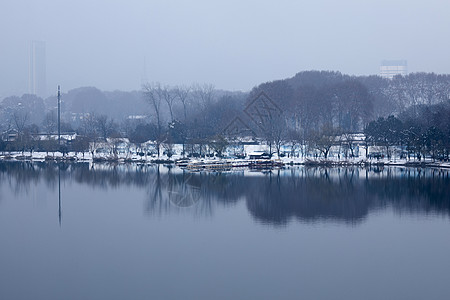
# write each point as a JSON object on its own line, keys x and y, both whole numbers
{"x": 335, "y": 156}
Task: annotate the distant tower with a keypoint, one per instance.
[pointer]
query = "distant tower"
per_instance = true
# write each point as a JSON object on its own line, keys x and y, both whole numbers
{"x": 37, "y": 69}
{"x": 390, "y": 68}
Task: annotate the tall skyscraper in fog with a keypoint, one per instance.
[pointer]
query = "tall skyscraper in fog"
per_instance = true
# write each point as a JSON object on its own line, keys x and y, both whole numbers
{"x": 37, "y": 69}
{"x": 390, "y": 68}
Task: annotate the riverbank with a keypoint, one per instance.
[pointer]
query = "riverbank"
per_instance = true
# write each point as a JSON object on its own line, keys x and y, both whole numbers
{"x": 307, "y": 161}
{"x": 375, "y": 162}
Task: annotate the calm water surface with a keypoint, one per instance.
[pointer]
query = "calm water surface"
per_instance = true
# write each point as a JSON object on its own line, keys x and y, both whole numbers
{"x": 149, "y": 232}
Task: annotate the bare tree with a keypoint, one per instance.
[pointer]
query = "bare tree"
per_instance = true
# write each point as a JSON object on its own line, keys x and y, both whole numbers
{"x": 50, "y": 122}
{"x": 278, "y": 129}
{"x": 167, "y": 145}
{"x": 169, "y": 96}
{"x": 128, "y": 126}
{"x": 104, "y": 126}
{"x": 8, "y": 127}
{"x": 20, "y": 120}
{"x": 90, "y": 130}
{"x": 153, "y": 93}
{"x": 205, "y": 93}
{"x": 182, "y": 92}
{"x": 324, "y": 139}
{"x": 295, "y": 139}
{"x": 218, "y": 144}
{"x": 347, "y": 139}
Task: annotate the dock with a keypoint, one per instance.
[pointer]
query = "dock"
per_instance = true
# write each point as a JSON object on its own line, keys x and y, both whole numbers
{"x": 228, "y": 165}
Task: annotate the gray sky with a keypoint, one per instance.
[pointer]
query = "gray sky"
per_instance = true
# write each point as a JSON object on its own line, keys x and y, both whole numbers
{"x": 232, "y": 44}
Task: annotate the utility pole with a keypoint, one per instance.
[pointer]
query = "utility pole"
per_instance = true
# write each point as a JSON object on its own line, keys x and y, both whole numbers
{"x": 59, "y": 143}
{"x": 59, "y": 115}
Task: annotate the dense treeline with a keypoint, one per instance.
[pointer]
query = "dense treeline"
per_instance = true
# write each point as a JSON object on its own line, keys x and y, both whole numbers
{"x": 410, "y": 111}
{"x": 420, "y": 130}
{"x": 316, "y": 106}
{"x": 314, "y": 99}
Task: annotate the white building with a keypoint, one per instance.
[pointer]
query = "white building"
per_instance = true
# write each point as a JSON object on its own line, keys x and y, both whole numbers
{"x": 390, "y": 68}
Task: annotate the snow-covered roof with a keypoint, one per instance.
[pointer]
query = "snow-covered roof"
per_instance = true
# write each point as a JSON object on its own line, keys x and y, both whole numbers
{"x": 255, "y": 153}
{"x": 46, "y": 137}
{"x": 353, "y": 137}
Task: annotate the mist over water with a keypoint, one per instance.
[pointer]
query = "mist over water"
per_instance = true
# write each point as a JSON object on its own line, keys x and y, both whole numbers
{"x": 147, "y": 231}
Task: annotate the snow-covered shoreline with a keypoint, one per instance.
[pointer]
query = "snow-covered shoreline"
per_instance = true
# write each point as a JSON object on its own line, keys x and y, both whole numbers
{"x": 134, "y": 158}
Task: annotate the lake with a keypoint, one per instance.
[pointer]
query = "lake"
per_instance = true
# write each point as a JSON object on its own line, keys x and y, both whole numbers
{"x": 83, "y": 231}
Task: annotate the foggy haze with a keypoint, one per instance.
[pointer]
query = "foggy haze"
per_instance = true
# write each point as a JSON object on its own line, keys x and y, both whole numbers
{"x": 234, "y": 45}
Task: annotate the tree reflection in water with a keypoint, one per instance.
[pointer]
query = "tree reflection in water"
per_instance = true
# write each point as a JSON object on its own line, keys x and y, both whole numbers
{"x": 277, "y": 197}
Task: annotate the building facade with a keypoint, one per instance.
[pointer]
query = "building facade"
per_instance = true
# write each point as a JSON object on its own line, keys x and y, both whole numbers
{"x": 391, "y": 68}
{"x": 37, "y": 80}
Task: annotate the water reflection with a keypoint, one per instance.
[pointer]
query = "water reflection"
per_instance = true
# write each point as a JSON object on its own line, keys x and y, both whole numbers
{"x": 59, "y": 197}
{"x": 305, "y": 194}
